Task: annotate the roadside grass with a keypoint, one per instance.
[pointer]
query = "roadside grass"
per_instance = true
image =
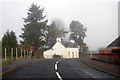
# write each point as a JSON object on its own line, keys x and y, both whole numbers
{"x": 6, "y": 62}
{"x": 0, "y": 61}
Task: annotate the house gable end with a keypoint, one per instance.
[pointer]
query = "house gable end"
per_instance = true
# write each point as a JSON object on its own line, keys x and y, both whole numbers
{"x": 58, "y": 44}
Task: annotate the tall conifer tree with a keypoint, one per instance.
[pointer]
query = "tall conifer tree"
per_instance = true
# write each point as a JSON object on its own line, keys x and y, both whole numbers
{"x": 34, "y": 31}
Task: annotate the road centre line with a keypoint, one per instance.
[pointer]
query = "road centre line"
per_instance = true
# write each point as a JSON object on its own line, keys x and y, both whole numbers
{"x": 55, "y": 66}
{"x": 57, "y": 62}
{"x": 57, "y": 73}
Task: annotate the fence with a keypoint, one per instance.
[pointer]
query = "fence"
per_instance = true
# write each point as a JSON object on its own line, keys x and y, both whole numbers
{"x": 14, "y": 54}
{"x": 111, "y": 58}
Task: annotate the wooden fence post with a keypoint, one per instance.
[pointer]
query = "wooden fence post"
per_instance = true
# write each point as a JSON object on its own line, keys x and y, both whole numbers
{"x": 27, "y": 53}
{"x": 16, "y": 54}
{"x": 11, "y": 53}
{"x": 5, "y": 55}
{"x": 31, "y": 53}
{"x": 21, "y": 53}
{"x": 24, "y": 53}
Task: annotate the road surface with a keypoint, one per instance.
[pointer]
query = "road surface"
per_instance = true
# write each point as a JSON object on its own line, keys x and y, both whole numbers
{"x": 57, "y": 68}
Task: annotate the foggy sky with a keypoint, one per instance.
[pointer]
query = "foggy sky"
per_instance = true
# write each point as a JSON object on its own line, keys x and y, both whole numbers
{"x": 99, "y": 16}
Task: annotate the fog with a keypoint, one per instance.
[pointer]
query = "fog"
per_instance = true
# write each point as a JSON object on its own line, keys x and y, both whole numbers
{"x": 99, "y": 16}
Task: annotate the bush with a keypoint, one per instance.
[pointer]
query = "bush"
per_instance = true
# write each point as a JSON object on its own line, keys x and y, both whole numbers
{"x": 56, "y": 56}
{"x": 38, "y": 53}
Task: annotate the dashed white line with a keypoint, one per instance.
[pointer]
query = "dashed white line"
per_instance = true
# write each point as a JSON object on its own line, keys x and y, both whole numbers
{"x": 57, "y": 62}
{"x": 57, "y": 73}
{"x": 55, "y": 66}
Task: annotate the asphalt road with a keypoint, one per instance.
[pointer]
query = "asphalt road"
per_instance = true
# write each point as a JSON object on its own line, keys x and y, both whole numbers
{"x": 57, "y": 69}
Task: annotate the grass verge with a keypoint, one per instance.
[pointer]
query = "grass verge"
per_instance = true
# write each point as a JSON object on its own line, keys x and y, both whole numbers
{"x": 6, "y": 62}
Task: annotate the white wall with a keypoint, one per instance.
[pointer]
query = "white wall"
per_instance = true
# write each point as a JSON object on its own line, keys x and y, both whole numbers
{"x": 59, "y": 49}
{"x": 48, "y": 54}
{"x": 72, "y": 53}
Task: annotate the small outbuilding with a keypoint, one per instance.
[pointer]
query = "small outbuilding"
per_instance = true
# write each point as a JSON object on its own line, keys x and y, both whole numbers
{"x": 63, "y": 49}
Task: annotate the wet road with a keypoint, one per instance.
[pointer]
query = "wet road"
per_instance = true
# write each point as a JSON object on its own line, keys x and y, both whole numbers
{"x": 57, "y": 69}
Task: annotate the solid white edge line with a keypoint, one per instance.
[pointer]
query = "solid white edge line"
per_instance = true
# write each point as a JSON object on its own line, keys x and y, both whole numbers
{"x": 58, "y": 75}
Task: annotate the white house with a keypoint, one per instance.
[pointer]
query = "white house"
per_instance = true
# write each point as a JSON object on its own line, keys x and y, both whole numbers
{"x": 64, "y": 49}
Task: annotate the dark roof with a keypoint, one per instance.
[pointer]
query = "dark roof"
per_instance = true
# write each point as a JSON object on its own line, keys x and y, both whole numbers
{"x": 70, "y": 44}
{"x": 115, "y": 43}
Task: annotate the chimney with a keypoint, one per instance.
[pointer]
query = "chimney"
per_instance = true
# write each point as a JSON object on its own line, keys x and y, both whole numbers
{"x": 58, "y": 39}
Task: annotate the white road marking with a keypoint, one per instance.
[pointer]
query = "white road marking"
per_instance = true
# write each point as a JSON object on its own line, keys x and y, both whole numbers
{"x": 57, "y": 62}
{"x": 58, "y": 75}
{"x": 55, "y": 66}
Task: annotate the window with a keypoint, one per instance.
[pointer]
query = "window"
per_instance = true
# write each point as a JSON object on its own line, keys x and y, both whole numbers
{"x": 68, "y": 54}
{"x": 72, "y": 54}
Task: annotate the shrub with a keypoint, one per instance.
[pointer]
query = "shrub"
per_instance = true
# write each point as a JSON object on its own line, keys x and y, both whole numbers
{"x": 56, "y": 56}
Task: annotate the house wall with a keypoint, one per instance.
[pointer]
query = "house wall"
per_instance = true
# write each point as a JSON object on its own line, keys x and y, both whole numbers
{"x": 72, "y": 53}
{"x": 48, "y": 54}
{"x": 59, "y": 49}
